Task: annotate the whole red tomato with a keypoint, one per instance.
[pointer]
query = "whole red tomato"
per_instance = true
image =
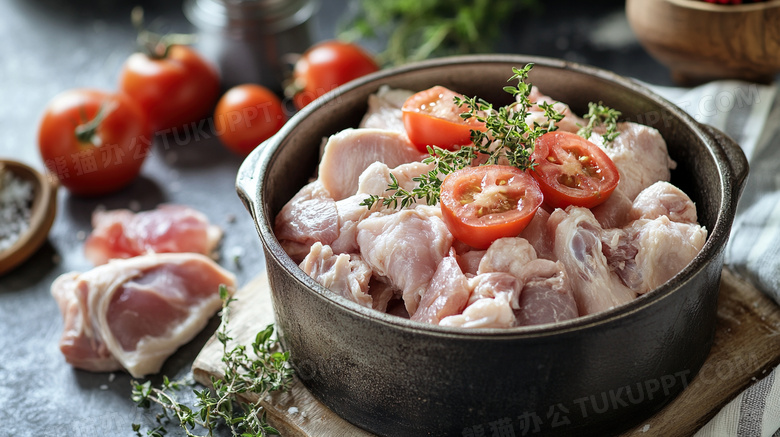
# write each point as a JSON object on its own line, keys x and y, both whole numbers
{"x": 246, "y": 115}
{"x": 175, "y": 88}
{"x": 327, "y": 65}
{"x": 93, "y": 141}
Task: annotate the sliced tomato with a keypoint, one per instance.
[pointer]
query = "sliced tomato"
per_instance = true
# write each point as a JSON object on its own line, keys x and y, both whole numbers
{"x": 573, "y": 171}
{"x": 482, "y": 204}
{"x": 432, "y": 118}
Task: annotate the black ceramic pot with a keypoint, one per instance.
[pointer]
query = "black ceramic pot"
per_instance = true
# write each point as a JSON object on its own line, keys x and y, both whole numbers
{"x": 594, "y": 375}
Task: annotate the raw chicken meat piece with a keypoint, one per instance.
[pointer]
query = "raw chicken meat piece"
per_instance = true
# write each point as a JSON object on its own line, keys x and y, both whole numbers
{"x": 620, "y": 249}
{"x": 547, "y": 296}
{"x": 639, "y": 152}
{"x": 544, "y": 294}
{"x": 134, "y": 313}
{"x": 384, "y": 109}
{"x": 509, "y": 255}
{"x": 578, "y": 246}
{"x": 538, "y": 234}
{"x": 493, "y": 312}
{"x": 615, "y": 211}
{"x": 350, "y": 212}
{"x": 664, "y": 199}
{"x": 312, "y": 214}
{"x": 405, "y": 247}
{"x": 447, "y": 293}
{"x": 649, "y": 252}
{"x": 659, "y": 243}
{"x": 489, "y": 285}
{"x": 348, "y": 153}
{"x": 469, "y": 261}
{"x": 345, "y": 275}
{"x": 570, "y": 122}
{"x": 122, "y": 233}
{"x": 308, "y": 217}
{"x": 376, "y": 178}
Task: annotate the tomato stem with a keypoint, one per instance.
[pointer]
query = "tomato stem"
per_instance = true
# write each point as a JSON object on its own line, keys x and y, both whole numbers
{"x": 153, "y": 44}
{"x": 86, "y": 132}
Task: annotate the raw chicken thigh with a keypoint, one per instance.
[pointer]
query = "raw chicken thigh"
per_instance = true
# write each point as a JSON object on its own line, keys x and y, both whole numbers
{"x": 661, "y": 247}
{"x": 406, "y": 248}
{"x": 384, "y": 109}
{"x": 447, "y": 294}
{"x": 663, "y": 199}
{"x": 347, "y": 275}
{"x": 544, "y": 294}
{"x": 167, "y": 229}
{"x": 570, "y": 123}
{"x": 134, "y": 313}
{"x": 310, "y": 216}
{"x": 639, "y": 152}
{"x": 351, "y": 151}
{"x": 578, "y": 246}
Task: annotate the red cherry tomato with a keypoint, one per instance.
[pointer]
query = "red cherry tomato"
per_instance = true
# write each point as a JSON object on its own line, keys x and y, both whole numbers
{"x": 246, "y": 115}
{"x": 573, "y": 171}
{"x": 431, "y": 118}
{"x": 175, "y": 89}
{"x": 327, "y": 65}
{"x": 93, "y": 141}
{"x": 482, "y": 204}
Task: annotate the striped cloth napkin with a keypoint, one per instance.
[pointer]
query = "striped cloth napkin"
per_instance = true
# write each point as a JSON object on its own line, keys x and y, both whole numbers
{"x": 750, "y": 114}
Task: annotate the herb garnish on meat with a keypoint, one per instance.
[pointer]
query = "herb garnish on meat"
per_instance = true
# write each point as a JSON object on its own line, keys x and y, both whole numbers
{"x": 600, "y": 115}
{"x": 508, "y": 139}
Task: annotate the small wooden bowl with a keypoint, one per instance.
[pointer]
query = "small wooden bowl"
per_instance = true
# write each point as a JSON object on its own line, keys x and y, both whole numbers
{"x": 42, "y": 213}
{"x": 702, "y": 41}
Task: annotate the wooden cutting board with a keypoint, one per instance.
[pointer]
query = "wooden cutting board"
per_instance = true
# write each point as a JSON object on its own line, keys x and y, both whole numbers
{"x": 746, "y": 348}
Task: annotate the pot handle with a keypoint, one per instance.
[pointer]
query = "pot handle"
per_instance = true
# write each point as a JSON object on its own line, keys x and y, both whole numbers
{"x": 735, "y": 157}
{"x": 247, "y": 179}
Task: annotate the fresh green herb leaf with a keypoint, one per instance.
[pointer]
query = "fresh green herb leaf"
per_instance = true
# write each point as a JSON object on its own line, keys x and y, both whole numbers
{"x": 261, "y": 372}
{"x": 420, "y": 29}
{"x": 600, "y": 115}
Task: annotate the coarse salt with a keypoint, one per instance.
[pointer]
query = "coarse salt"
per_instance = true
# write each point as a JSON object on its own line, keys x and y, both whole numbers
{"x": 16, "y": 197}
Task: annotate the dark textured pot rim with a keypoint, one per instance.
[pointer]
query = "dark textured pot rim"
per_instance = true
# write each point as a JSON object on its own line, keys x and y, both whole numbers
{"x": 730, "y": 179}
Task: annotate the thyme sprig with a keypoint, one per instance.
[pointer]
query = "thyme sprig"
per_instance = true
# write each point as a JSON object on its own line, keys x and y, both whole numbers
{"x": 507, "y": 139}
{"x": 507, "y": 135}
{"x": 261, "y": 372}
{"x": 600, "y": 115}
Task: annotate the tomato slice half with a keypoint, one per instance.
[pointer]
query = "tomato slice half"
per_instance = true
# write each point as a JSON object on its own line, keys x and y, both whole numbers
{"x": 482, "y": 204}
{"x": 432, "y": 118}
{"x": 573, "y": 171}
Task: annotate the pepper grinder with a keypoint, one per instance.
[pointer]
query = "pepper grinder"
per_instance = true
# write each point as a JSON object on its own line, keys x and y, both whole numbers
{"x": 250, "y": 41}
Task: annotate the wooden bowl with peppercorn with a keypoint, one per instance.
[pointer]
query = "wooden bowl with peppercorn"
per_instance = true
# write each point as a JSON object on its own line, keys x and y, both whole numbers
{"x": 28, "y": 204}
{"x": 703, "y": 40}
